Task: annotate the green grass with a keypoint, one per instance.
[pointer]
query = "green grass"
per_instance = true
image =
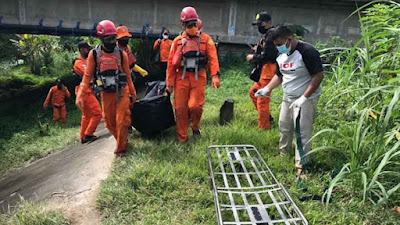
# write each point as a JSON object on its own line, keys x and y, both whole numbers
{"x": 163, "y": 182}
{"x": 28, "y": 213}
{"x": 17, "y": 81}
{"x": 21, "y": 75}
{"x": 23, "y": 140}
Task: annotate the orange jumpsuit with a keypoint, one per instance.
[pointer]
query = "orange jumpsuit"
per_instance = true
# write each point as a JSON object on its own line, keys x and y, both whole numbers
{"x": 189, "y": 93}
{"x": 165, "y": 47}
{"x": 262, "y": 104}
{"x": 91, "y": 113}
{"x": 117, "y": 116}
{"x": 58, "y": 102}
{"x": 266, "y": 54}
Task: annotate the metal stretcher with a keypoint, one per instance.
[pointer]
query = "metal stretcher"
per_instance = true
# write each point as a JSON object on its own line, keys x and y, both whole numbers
{"x": 246, "y": 191}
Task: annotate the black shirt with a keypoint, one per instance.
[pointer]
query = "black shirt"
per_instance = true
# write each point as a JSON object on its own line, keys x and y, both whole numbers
{"x": 266, "y": 51}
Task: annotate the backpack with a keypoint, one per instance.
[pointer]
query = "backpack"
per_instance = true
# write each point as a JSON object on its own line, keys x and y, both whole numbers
{"x": 76, "y": 77}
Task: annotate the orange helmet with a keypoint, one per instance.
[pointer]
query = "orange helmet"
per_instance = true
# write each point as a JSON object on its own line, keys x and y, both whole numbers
{"x": 123, "y": 31}
{"x": 188, "y": 14}
{"x": 106, "y": 27}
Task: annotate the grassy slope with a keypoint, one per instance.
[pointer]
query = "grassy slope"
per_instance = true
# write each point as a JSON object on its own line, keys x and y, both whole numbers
{"x": 20, "y": 138}
{"x": 22, "y": 74}
{"x": 163, "y": 182}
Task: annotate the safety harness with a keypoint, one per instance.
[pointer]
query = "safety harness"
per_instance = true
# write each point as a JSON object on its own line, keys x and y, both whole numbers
{"x": 109, "y": 76}
{"x": 192, "y": 57}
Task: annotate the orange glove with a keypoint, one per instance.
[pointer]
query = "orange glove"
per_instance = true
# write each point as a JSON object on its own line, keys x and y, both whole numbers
{"x": 45, "y": 106}
{"x": 215, "y": 82}
{"x": 79, "y": 101}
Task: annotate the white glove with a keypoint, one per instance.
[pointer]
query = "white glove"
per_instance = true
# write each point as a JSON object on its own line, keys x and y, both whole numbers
{"x": 262, "y": 92}
{"x": 299, "y": 102}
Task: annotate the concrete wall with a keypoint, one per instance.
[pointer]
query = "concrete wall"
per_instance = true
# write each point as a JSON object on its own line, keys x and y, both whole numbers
{"x": 230, "y": 20}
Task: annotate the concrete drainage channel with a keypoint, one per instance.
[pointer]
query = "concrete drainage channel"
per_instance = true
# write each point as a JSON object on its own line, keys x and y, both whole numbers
{"x": 245, "y": 189}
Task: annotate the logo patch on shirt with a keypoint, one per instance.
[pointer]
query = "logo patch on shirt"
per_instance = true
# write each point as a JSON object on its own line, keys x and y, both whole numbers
{"x": 286, "y": 65}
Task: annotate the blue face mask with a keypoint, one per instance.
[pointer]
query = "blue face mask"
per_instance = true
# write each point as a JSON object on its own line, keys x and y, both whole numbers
{"x": 283, "y": 49}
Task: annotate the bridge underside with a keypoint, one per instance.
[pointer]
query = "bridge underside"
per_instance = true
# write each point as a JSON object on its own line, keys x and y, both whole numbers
{"x": 230, "y": 20}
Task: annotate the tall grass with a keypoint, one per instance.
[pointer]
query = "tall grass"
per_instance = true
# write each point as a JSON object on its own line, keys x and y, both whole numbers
{"x": 362, "y": 82}
{"x": 163, "y": 182}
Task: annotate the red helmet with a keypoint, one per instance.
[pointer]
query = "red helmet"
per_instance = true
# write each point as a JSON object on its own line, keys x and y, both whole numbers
{"x": 188, "y": 14}
{"x": 105, "y": 28}
{"x": 199, "y": 24}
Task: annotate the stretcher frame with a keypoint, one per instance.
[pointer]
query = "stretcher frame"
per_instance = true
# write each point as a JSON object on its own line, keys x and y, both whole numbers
{"x": 245, "y": 189}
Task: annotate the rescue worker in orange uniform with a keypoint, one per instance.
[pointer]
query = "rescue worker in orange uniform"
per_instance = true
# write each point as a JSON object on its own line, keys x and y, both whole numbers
{"x": 123, "y": 36}
{"x": 91, "y": 113}
{"x": 109, "y": 66}
{"x": 164, "y": 46}
{"x": 265, "y": 55}
{"x": 57, "y": 94}
{"x": 191, "y": 53}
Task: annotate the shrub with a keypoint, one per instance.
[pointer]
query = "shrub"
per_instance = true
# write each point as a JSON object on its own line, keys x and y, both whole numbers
{"x": 37, "y": 51}
{"x": 8, "y": 51}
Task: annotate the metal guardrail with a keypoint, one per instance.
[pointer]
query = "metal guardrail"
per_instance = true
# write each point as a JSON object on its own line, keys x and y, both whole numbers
{"x": 65, "y": 31}
{"x": 245, "y": 189}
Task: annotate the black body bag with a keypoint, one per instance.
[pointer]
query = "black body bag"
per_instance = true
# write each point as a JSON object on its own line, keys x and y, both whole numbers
{"x": 154, "y": 112}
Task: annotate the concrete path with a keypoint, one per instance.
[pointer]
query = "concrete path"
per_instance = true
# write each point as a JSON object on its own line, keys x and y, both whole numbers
{"x": 67, "y": 180}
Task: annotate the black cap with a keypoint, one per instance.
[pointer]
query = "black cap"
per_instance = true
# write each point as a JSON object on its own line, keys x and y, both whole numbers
{"x": 83, "y": 44}
{"x": 261, "y": 17}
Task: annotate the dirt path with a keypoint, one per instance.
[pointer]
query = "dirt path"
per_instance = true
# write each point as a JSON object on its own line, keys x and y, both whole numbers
{"x": 67, "y": 180}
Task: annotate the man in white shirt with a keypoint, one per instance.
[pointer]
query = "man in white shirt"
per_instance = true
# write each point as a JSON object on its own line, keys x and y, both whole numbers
{"x": 299, "y": 70}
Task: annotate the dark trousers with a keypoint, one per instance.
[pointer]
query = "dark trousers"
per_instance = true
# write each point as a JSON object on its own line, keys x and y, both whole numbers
{"x": 163, "y": 66}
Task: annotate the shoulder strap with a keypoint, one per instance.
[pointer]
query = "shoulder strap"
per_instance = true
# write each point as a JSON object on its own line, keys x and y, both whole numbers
{"x": 120, "y": 55}
{"x": 183, "y": 42}
{"x": 97, "y": 56}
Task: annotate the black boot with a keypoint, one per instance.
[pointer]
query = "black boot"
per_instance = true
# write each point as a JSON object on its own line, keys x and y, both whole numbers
{"x": 88, "y": 139}
{"x": 196, "y": 134}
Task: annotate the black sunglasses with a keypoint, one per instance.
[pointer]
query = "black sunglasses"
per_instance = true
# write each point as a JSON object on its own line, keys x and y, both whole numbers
{"x": 190, "y": 25}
